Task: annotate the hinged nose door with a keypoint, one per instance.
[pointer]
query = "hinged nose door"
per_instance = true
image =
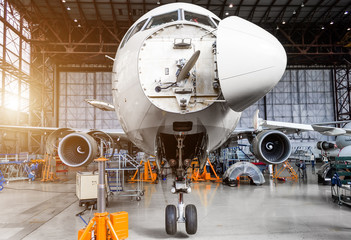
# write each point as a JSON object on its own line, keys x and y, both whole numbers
{"x": 250, "y": 62}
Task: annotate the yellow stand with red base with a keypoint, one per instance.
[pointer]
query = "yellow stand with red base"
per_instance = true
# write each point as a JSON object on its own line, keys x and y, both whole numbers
{"x": 147, "y": 176}
{"x": 101, "y": 227}
{"x": 205, "y": 176}
{"x": 48, "y": 172}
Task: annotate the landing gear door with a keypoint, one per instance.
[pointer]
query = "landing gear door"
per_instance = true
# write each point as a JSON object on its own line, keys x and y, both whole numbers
{"x": 250, "y": 62}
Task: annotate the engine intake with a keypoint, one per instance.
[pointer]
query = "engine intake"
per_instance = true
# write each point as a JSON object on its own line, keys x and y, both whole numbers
{"x": 77, "y": 149}
{"x": 323, "y": 145}
{"x": 273, "y": 147}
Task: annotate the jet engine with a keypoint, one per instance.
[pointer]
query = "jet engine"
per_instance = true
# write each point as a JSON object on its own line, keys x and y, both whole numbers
{"x": 323, "y": 145}
{"x": 77, "y": 149}
{"x": 273, "y": 147}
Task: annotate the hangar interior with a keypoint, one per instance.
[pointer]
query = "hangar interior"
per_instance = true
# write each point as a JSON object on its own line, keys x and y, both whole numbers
{"x": 53, "y": 58}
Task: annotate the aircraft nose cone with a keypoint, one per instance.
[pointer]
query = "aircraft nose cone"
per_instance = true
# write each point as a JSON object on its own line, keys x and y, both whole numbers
{"x": 250, "y": 60}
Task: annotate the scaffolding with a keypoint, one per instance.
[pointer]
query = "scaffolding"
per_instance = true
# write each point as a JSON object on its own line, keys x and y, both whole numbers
{"x": 118, "y": 169}
{"x": 17, "y": 167}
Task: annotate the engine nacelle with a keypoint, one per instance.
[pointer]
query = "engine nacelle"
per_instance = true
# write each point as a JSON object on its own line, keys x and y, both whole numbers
{"x": 273, "y": 147}
{"x": 77, "y": 149}
{"x": 323, "y": 145}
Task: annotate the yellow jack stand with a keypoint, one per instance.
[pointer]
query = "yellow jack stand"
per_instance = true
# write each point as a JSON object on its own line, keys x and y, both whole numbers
{"x": 285, "y": 166}
{"x": 101, "y": 226}
{"x": 115, "y": 227}
{"x": 147, "y": 176}
{"x": 205, "y": 176}
{"x": 48, "y": 173}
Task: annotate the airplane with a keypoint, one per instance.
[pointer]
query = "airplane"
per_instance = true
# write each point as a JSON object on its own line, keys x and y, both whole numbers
{"x": 180, "y": 80}
{"x": 342, "y": 144}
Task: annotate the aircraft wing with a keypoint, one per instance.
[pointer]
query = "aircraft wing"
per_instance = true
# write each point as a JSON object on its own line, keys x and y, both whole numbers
{"x": 288, "y": 128}
{"x": 54, "y": 133}
{"x": 47, "y": 130}
{"x": 291, "y": 128}
{"x": 28, "y": 128}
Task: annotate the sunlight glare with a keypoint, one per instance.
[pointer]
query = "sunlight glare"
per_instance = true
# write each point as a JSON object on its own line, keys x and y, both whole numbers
{"x": 11, "y": 102}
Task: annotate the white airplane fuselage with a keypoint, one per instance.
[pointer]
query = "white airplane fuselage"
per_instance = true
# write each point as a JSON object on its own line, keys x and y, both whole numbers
{"x": 148, "y": 98}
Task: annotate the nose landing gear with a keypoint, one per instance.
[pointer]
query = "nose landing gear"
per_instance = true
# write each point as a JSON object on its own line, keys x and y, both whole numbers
{"x": 181, "y": 214}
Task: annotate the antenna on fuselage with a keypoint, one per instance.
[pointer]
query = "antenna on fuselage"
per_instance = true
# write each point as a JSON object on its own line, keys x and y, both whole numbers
{"x": 107, "y": 56}
{"x": 188, "y": 66}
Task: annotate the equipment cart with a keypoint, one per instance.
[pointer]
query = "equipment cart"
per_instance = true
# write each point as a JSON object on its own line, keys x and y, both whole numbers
{"x": 117, "y": 171}
{"x": 341, "y": 181}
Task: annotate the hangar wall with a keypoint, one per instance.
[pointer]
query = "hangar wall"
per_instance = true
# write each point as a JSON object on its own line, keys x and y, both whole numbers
{"x": 74, "y": 112}
{"x": 302, "y": 96}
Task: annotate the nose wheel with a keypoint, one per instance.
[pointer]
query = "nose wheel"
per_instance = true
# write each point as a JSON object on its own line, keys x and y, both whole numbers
{"x": 177, "y": 214}
{"x": 190, "y": 219}
{"x": 171, "y": 219}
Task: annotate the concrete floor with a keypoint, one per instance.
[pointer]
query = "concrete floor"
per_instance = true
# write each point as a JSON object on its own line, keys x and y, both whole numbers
{"x": 291, "y": 210}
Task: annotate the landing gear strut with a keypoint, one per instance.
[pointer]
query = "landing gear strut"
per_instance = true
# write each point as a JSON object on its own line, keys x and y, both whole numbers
{"x": 181, "y": 185}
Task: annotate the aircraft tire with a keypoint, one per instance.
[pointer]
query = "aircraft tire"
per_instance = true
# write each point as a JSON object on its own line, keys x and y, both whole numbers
{"x": 190, "y": 219}
{"x": 171, "y": 219}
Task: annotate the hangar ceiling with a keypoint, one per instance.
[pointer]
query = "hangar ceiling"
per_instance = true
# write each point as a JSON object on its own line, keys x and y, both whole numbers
{"x": 313, "y": 32}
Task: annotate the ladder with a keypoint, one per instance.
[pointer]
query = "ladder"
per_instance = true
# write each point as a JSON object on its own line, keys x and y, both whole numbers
{"x": 114, "y": 180}
{"x": 278, "y": 173}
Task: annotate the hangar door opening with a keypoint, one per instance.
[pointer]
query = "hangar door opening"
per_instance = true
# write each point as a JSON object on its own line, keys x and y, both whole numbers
{"x": 74, "y": 112}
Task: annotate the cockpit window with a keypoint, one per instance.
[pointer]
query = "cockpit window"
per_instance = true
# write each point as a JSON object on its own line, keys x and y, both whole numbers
{"x": 161, "y": 19}
{"x": 198, "y": 18}
{"x": 216, "y": 21}
{"x": 137, "y": 28}
{"x": 131, "y": 32}
{"x": 125, "y": 38}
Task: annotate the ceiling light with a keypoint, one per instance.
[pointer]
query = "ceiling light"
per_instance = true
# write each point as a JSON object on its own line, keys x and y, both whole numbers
{"x": 283, "y": 22}
{"x": 302, "y": 5}
{"x": 346, "y": 12}
{"x": 68, "y": 8}
{"x": 75, "y": 20}
{"x": 348, "y": 29}
{"x": 277, "y": 28}
{"x": 231, "y": 5}
{"x": 322, "y": 28}
{"x": 79, "y": 25}
{"x": 227, "y": 13}
{"x": 63, "y": 1}
{"x": 331, "y": 23}
{"x": 158, "y": 2}
{"x": 294, "y": 12}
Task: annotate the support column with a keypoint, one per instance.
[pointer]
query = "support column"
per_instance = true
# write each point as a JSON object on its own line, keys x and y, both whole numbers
{"x": 341, "y": 78}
